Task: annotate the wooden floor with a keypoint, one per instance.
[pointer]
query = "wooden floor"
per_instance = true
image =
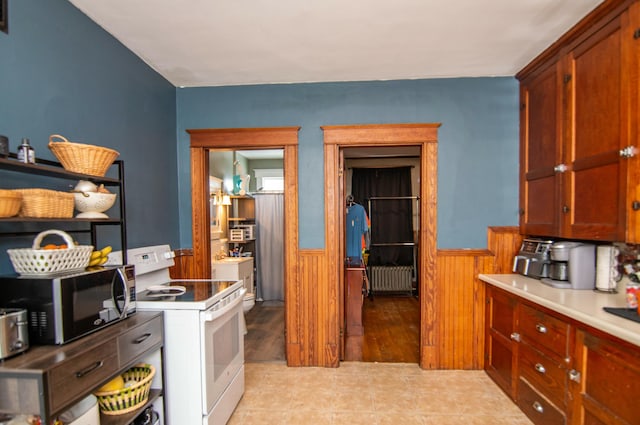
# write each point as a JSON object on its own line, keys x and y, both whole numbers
{"x": 391, "y": 331}
{"x": 264, "y": 341}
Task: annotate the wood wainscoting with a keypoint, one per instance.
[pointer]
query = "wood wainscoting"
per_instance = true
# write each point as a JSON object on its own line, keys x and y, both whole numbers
{"x": 184, "y": 267}
{"x": 461, "y": 296}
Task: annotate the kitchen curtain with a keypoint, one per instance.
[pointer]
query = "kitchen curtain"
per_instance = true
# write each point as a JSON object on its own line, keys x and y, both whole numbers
{"x": 391, "y": 219}
{"x": 270, "y": 246}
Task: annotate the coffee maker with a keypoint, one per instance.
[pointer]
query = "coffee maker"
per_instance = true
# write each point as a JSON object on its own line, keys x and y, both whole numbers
{"x": 572, "y": 266}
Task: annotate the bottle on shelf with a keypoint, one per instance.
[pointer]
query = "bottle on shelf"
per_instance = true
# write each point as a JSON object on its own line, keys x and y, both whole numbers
{"x": 26, "y": 153}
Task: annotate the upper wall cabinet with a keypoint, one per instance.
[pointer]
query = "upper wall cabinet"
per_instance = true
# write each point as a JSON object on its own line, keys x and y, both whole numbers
{"x": 579, "y": 174}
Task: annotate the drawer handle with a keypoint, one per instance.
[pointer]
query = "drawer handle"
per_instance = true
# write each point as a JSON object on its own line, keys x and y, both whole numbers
{"x": 540, "y": 368}
{"x": 541, "y": 328}
{"x": 538, "y": 407}
{"x": 89, "y": 369}
{"x": 142, "y": 338}
{"x": 515, "y": 336}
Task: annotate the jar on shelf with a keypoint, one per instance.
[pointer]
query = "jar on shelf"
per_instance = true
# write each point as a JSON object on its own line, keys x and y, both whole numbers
{"x": 26, "y": 153}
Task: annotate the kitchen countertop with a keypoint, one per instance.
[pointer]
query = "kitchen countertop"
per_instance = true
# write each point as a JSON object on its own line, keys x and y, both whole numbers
{"x": 582, "y": 305}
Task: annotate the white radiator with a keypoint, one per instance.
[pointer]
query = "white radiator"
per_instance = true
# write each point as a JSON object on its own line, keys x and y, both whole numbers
{"x": 391, "y": 278}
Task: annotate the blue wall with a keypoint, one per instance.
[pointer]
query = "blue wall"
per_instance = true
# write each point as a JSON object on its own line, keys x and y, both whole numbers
{"x": 61, "y": 73}
{"x": 478, "y": 142}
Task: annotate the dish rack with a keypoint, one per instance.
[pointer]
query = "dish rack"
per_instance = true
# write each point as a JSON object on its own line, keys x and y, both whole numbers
{"x": 242, "y": 232}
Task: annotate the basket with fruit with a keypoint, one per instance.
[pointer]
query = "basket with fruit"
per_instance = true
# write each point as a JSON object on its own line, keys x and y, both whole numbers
{"x": 50, "y": 258}
{"x": 126, "y": 392}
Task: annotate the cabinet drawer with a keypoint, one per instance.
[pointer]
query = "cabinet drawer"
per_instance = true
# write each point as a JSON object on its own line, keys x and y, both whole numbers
{"x": 139, "y": 339}
{"x": 548, "y": 376}
{"x": 536, "y": 407}
{"x": 544, "y": 332}
{"x": 72, "y": 378}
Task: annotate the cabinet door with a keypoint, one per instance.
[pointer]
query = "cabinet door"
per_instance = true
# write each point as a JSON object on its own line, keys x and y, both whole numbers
{"x": 608, "y": 384}
{"x": 597, "y": 91}
{"x": 540, "y": 150}
{"x": 500, "y": 348}
{"x": 631, "y": 56}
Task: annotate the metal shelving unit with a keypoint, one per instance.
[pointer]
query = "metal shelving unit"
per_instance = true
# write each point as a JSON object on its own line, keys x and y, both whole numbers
{"x": 52, "y": 169}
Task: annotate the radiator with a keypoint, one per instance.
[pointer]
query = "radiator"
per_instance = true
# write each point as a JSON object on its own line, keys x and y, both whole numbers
{"x": 391, "y": 278}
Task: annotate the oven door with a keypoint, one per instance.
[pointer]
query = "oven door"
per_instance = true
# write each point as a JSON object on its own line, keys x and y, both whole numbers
{"x": 222, "y": 346}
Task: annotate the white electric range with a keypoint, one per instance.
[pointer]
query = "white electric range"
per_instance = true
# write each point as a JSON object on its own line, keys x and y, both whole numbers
{"x": 204, "y": 338}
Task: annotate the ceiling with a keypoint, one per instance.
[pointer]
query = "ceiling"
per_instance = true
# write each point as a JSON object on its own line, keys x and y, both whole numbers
{"x": 195, "y": 43}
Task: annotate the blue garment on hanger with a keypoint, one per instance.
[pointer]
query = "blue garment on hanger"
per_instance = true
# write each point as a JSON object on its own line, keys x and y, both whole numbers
{"x": 356, "y": 226}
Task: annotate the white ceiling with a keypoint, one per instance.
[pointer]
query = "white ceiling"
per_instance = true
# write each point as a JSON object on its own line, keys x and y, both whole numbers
{"x": 196, "y": 43}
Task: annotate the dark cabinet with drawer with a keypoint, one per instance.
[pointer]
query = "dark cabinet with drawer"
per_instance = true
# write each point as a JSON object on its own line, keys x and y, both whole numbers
{"x": 47, "y": 380}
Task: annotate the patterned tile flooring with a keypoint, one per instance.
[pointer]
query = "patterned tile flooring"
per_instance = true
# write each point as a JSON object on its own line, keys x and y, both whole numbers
{"x": 372, "y": 394}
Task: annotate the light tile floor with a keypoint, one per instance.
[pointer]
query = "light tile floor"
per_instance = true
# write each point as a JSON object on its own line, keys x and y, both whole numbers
{"x": 372, "y": 394}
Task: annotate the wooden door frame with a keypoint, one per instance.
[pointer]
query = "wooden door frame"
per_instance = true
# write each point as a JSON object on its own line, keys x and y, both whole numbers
{"x": 286, "y": 138}
{"x": 376, "y": 135}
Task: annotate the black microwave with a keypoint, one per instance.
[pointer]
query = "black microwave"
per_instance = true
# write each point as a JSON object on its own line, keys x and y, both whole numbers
{"x": 64, "y": 307}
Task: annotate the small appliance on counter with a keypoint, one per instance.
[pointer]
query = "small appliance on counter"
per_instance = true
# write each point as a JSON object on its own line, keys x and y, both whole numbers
{"x": 66, "y": 306}
{"x": 573, "y": 265}
{"x": 533, "y": 258}
{"x": 14, "y": 334}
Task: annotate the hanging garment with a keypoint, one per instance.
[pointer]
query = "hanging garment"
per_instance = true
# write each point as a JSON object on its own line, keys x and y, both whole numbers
{"x": 356, "y": 227}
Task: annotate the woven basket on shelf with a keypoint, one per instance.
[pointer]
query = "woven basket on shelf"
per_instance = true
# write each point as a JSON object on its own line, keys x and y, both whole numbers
{"x": 81, "y": 158}
{"x": 35, "y": 261}
{"x": 45, "y": 203}
{"x": 130, "y": 398}
{"x": 9, "y": 202}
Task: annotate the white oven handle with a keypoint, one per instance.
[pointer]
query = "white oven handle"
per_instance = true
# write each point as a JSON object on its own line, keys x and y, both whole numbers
{"x": 211, "y": 314}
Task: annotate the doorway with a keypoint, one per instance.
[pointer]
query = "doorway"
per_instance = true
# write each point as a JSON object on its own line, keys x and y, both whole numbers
{"x": 423, "y": 136}
{"x": 252, "y": 228}
{"x": 283, "y": 138}
{"x": 386, "y": 182}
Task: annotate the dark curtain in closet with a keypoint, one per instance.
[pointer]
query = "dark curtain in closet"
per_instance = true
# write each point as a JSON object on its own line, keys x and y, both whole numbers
{"x": 391, "y": 220}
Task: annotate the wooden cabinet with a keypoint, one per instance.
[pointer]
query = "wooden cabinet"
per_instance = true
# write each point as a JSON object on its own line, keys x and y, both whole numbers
{"x": 540, "y": 150}
{"x": 500, "y": 348}
{"x": 235, "y": 269}
{"x": 605, "y": 381}
{"x": 556, "y": 369}
{"x": 542, "y": 364}
{"x": 527, "y": 355}
{"x": 579, "y": 131}
{"x": 47, "y": 380}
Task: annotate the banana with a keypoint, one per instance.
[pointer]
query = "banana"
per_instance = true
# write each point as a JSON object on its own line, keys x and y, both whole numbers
{"x": 95, "y": 255}
{"x": 106, "y": 250}
{"x": 95, "y": 261}
{"x": 103, "y": 260}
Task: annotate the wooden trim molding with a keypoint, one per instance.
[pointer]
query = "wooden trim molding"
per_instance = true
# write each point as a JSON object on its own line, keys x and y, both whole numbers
{"x": 232, "y": 138}
{"x": 286, "y": 138}
{"x": 425, "y": 136}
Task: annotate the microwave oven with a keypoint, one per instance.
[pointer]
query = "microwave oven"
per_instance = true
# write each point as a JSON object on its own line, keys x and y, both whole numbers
{"x": 64, "y": 307}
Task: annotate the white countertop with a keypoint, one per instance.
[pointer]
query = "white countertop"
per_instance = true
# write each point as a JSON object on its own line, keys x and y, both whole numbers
{"x": 582, "y": 305}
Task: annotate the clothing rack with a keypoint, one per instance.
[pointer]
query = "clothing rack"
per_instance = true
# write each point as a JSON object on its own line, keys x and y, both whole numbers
{"x": 393, "y": 278}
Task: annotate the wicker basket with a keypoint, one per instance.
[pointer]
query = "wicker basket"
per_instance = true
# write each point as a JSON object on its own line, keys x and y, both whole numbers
{"x": 45, "y": 203}
{"x": 38, "y": 262}
{"x": 82, "y": 158}
{"x": 128, "y": 399}
{"x": 9, "y": 202}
